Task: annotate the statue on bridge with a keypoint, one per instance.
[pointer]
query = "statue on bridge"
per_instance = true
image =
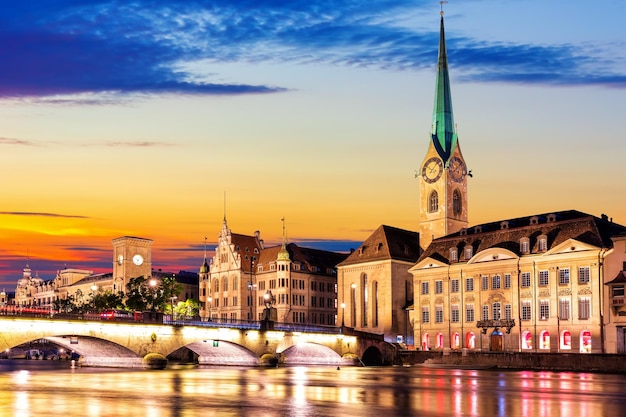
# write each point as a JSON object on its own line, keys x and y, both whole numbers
{"x": 270, "y": 314}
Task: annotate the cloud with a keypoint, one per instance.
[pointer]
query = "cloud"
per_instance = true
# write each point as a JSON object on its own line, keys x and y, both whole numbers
{"x": 12, "y": 141}
{"x": 138, "y": 144}
{"x": 37, "y": 214}
{"x": 89, "y": 47}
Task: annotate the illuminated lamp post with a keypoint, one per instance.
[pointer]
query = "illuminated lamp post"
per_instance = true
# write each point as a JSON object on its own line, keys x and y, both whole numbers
{"x": 172, "y": 299}
{"x": 210, "y": 300}
{"x": 153, "y": 284}
{"x": 343, "y": 315}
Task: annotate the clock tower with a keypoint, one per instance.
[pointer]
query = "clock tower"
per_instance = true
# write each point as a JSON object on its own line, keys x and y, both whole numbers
{"x": 443, "y": 174}
{"x": 132, "y": 258}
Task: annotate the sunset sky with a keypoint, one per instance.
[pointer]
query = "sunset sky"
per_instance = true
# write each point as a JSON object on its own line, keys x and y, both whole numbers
{"x": 155, "y": 118}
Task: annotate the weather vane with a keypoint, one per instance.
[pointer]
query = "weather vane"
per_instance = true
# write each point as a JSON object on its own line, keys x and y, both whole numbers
{"x": 442, "y": 3}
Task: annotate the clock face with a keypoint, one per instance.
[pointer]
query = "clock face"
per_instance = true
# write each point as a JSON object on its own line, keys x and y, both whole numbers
{"x": 432, "y": 169}
{"x": 120, "y": 259}
{"x": 457, "y": 169}
{"x": 137, "y": 260}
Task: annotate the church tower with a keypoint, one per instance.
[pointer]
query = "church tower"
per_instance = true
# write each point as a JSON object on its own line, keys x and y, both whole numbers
{"x": 443, "y": 173}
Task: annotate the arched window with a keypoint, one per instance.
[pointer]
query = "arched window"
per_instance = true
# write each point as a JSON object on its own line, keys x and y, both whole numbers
{"x": 585, "y": 341}
{"x": 544, "y": 340}
{"x": 426, "y": 342}
{"x": 439, "y": 340}
{"x": 365, "y": 300}
{"x": 527, "y": 340}
{"x": 566, "y": 340}
{"x": 457, "y": 203}
{"x": 433, "y": 202}
{"x": 455, "y": 343}
{"x": 375, "y": 297}
{"x": 470, "y": 340}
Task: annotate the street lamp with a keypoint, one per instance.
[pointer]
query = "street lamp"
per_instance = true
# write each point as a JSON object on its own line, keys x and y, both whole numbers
{"x": 210, "y": 300}
{"x": 343, "y": 314}
{"x": 172, "y": 299}
{"x": 153, "y": 284}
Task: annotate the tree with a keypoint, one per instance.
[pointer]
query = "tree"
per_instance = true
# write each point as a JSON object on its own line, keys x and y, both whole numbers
{"x": 137, "y": 294}
{"x": 65, "y": 305}
{"x": 105, "y": 300}
{"x": 187, "y": 309}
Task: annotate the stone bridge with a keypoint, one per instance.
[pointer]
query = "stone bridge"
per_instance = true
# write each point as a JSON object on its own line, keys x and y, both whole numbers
{"x": 125, "y": 344}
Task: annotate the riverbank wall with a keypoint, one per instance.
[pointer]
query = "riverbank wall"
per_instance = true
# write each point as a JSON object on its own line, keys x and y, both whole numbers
{"x": 571, "y": 362}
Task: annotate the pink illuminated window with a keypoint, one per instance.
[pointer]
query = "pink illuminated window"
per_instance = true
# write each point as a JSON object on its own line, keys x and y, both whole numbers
{"x": 527, "y": 340}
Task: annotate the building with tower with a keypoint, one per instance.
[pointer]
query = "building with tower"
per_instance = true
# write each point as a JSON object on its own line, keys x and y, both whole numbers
{"x": 443, "y": 174}
{"x": 244, "y": 275}
{"x": 535, "y": 283}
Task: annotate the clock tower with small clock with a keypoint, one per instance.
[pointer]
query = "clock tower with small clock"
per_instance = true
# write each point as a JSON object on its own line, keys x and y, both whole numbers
{"x": 132, "y": 258}
{"x": 443, "y": 173}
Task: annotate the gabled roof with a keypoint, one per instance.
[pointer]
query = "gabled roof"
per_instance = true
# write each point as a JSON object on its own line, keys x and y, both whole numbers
{"x": 557, "y": 227}
{"x": 386, "y": 243}
{"x": 245, "y": 245}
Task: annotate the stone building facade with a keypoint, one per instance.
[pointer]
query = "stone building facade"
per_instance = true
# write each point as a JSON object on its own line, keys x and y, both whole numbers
{"x": 244, "y": 275}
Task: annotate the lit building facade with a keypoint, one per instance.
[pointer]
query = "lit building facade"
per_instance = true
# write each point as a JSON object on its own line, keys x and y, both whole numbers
{"x": 301, "y": 283}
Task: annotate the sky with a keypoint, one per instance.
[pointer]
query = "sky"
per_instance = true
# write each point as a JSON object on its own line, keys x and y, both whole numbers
{"x": 157, "y": 119}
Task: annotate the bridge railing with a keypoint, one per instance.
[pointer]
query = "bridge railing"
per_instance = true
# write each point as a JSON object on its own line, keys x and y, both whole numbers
{"x": 174, "y": 321}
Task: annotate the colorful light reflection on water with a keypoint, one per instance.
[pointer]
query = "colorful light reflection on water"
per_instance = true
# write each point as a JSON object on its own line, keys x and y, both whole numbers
{"x": 28, "y": 389}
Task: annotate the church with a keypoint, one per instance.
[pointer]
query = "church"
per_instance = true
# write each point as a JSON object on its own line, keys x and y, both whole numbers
{"x": 549, "y": 282}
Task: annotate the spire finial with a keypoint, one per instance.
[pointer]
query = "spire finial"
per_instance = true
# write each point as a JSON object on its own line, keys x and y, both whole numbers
{"x": 224, "y": 205}
{"x": 205, "y": 247}
{"x": 284, "y": 239}
{"x": 442, "y": 2}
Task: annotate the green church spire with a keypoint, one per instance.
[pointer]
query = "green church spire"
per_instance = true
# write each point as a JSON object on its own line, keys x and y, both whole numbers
{"x": 443, "y": 135}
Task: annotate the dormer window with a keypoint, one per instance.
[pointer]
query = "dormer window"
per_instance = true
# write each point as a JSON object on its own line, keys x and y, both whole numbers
{"x": 478, "y": 229}
{"x": 534, "y": 220}
{"x": 463, "y": 232}
{"x": 469, "y": 251}
{"x": 551, "y": 218}
{"x": 542, "y": 244}
{"x": 453, "y": 255}
{"x": 256, "y": 250}
{"x": 504, "y": 225}
{"x": 524, "y": 245}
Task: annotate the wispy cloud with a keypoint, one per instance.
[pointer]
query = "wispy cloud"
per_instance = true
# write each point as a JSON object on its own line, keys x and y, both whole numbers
{"x": 19, "y": 142}
{"x": 39, "y": 214}
{"x": 138, "y": 144}
{"x": 71, "y": 47}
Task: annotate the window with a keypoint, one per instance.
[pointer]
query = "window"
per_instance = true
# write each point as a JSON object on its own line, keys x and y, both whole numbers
{"x": 485, "y": 315}
{"x": 525, "y": 278}
{"x": 495, "y": 282}
{"x": 543, "y": 244}
{"x": 468, "y": 252}
{"x": 438, "y": 314}
{"x": 424, "y": 288}
{"x": 564, "y": 276}
{"x": 469, "y": 312}
{"x": 425, "y": 315}
{"x": 469, "y": 284}
{"x": 453, "y": 255}
{"x": 584, "y": 274}
{"x": 497, "y": 311}
{"x": 617, "y": 291}
{"x": 564, "y": 309}
{"x": 544, "y": 309}
{"x": 524, "y": 245}
{"x": 544, "y": 278}
{"x": 454, "y": 285}
{"x": 507, "y": 280}
{"x": 455, "y": 317}
{"x": 484, "y": 283}
{"x": 508, "y": 312}
{"x": 457, "y": 203}
{"x": 526, "y": 310}
{"x": 433, "y": 202}
{"x": 438, "y": 287}
{"x": 584, "y": 308}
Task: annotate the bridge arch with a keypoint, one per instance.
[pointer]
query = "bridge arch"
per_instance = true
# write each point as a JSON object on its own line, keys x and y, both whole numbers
{"x": 310, "y": 354}
{"x": 372, "y": 357}
{"x": 216, "y": 352}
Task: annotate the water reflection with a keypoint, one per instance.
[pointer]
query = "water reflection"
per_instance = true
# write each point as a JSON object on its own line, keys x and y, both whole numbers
{"x": 28, "y": 389}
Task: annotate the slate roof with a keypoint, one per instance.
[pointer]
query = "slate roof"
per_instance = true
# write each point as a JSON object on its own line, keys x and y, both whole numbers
{"x": 386, "y": 243}
{"x": 311, "y": 260}
{"x": 557, "y": 227}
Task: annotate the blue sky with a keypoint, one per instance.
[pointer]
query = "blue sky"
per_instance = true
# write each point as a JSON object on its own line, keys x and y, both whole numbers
{"x": 137, "y": 118}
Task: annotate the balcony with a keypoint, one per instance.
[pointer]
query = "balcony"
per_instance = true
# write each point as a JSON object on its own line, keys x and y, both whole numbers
{"x": 496, "y": 324}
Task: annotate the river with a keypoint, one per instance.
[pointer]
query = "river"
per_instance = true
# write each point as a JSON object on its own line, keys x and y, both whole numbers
{"x": 48, "y": 388}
